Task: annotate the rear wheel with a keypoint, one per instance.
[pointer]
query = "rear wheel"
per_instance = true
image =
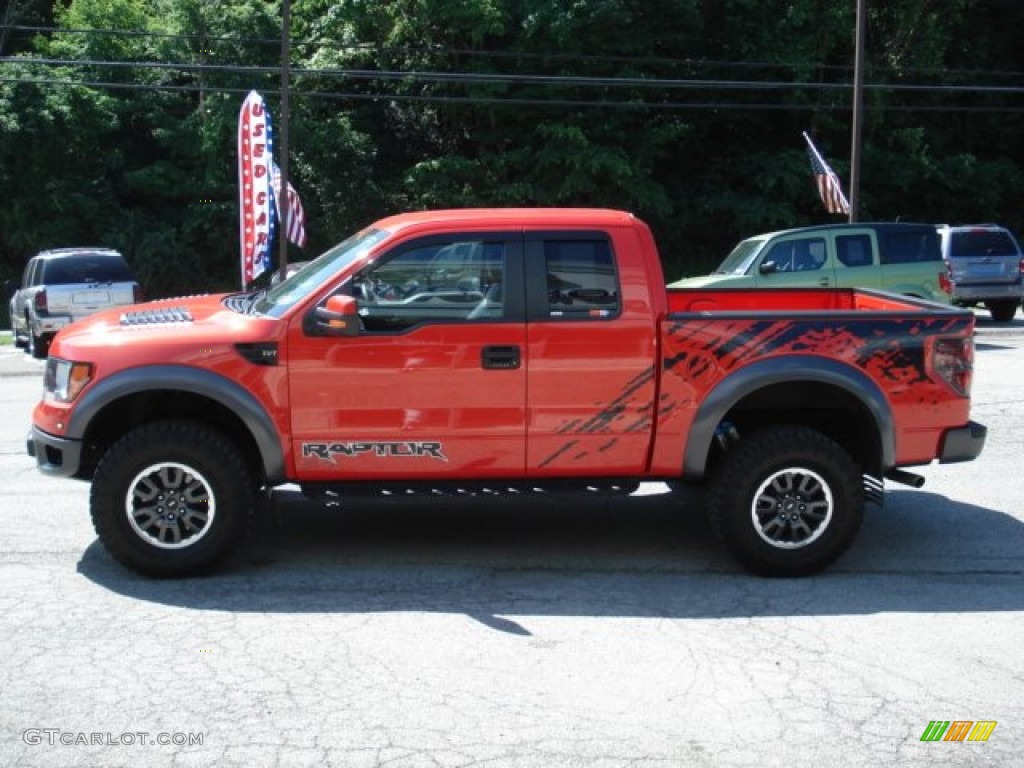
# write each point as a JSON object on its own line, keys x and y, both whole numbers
{"x": 786, "y": 501}
{"x": 1003, "y": 310}
{"x": 20, "y": 339}
{"x": 38, "y": 345}
{"x": 172, "y": 498}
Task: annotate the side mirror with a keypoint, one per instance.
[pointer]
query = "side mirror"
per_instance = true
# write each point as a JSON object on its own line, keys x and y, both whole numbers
{"x": 339, "y": 317}
{"x": 767, "y": 268}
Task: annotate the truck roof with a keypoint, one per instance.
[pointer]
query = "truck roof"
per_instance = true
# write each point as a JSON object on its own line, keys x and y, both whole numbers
{"x": 504, "y": 218}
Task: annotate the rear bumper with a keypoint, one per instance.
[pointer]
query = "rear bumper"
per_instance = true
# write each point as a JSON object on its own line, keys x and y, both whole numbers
{"x": 54, "y": 455}
{"x": 50, "y": 324}
{"x": 963, "y": 444}
{"x": 986, "y": 291}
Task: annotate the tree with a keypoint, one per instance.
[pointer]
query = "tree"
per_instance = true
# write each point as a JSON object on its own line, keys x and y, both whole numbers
{"x": 687, "y": 112}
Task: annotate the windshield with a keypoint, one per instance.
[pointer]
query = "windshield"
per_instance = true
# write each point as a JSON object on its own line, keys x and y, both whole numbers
{"x": 311, "y": 277}
{"x": 738, "y": 262}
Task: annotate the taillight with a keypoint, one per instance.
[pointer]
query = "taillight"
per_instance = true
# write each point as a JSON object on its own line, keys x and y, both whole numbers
{"x": 1022, "y": 268}
{"x": 946, "y": 280}
{"x": 39, "y": 302}
{"x": 952, "y": 360}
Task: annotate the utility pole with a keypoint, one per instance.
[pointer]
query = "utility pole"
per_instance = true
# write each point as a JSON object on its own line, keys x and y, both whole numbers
{"x": 282, "y": 204}
{"x": 858, "y": 117}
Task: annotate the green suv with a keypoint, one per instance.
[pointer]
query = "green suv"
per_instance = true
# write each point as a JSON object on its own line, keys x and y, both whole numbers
{"x": 900, "y": 258}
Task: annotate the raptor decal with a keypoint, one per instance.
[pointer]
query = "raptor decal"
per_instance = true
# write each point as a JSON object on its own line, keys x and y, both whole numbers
{"x": 887, "y": 349}
{"x": 629, "y": 412}
{"x": 385, "y": 450}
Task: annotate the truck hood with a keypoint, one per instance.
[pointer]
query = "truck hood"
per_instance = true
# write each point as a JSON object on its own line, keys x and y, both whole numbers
{"x": 168, "y": 330}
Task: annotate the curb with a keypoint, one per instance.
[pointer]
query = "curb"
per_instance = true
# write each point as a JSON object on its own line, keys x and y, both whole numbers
{"x": 16, "y": 362}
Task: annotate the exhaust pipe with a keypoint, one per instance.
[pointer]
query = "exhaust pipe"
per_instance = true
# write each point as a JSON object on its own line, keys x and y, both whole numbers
{"x": 907, "y": 478}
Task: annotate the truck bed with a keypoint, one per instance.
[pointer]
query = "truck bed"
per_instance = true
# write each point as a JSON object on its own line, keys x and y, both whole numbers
{"x": 829, "y": 335}
{"x": 795, "y": 300}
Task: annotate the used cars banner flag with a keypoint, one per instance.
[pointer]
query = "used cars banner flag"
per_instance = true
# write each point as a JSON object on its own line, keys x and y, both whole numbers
{"x": 256, "y": 219}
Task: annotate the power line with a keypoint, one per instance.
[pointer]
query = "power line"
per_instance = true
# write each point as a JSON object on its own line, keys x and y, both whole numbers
{"x": 510, "y": 101}
{"x": 477, "y": 78}
{"x": 504, "y": 54}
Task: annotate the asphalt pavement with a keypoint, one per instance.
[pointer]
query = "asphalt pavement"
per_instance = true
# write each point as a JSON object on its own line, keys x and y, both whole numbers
{"x": 568, "y": 632}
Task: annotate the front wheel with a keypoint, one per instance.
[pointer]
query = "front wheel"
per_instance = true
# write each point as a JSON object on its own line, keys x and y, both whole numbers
{"x": 172, "y": 498}
{"x": 1003, "y": 310}
{"x": 786, "y": 501}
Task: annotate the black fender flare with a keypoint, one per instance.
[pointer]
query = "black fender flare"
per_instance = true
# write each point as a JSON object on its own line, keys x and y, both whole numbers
{"x": 197, "y": 381}
{"x": 779, "y": 370}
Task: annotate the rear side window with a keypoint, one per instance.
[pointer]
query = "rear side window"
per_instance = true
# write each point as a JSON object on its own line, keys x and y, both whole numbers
{"x": 854, "y": 250}
{"x": 982, "y": 242}
{"x": 581, "y": 279}
{"x": 91, "y": 268}
{"x": 28, "y": 279}
{"x": 909, "y": 247}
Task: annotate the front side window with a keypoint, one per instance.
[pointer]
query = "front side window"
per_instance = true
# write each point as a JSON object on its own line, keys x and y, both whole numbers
{"x": 804, "y": 255}
{"x": 581, "y": 279}
{"x": 437, "y": 282}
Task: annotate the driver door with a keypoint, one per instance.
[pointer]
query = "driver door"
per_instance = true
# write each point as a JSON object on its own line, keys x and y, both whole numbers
{"x": 434, "y": 385}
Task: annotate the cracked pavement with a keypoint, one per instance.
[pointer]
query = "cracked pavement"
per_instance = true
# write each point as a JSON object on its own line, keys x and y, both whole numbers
{"x": 508, "y": 632}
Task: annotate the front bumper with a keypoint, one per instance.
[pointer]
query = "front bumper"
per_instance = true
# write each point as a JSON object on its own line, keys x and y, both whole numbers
{"x": 57, "y": 456}
{"x": 963, "y": 443}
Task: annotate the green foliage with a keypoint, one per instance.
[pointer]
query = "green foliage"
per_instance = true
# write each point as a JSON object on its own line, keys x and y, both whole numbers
{"x": 646, "y": 105}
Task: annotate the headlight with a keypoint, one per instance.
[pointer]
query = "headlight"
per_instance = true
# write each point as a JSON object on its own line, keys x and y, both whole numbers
{"x": 65, "y": 379}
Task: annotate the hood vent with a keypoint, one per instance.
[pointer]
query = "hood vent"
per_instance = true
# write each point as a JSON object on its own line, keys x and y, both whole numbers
{"x": 157, "y": 316}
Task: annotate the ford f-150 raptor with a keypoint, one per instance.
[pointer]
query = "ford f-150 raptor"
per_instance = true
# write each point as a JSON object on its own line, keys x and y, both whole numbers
{"x": 504, "y": 349}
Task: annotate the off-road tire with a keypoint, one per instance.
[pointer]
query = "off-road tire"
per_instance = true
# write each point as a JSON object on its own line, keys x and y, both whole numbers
{"x": 172, "y": 498}
{"x": 786, "y": 501}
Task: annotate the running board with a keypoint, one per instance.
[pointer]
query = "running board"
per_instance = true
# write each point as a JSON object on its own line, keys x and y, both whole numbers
{"x": 335, "y": 492}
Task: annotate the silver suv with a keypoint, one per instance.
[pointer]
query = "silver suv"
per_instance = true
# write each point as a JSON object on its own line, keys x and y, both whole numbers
{"x": 985, "y": 266}
{"x": 66, "y": 284}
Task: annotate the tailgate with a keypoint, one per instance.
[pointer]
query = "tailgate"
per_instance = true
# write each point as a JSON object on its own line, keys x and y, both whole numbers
{"x": 986, "y": 269}
{"x": 81, "y": 300}
{"x": 984, "y": 256}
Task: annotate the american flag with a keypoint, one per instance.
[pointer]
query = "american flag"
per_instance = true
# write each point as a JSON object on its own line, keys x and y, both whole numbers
{"x": 296, "y": 216}
{"x": 829, "y": 188}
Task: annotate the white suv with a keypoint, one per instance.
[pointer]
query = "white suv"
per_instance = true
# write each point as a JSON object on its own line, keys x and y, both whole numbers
{"x": 66, "y": 284}
{"x": 985, "y": 266}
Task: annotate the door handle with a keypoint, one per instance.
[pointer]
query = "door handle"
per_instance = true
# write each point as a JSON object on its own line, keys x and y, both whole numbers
{"x": 824, "y": 281}
{"x": 500, "y": 358}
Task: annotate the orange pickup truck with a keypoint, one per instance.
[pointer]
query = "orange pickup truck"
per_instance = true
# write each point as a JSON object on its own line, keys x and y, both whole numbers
{"x": 503, "y": 349}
